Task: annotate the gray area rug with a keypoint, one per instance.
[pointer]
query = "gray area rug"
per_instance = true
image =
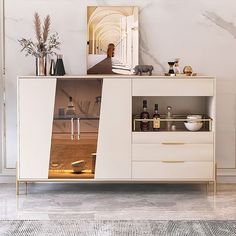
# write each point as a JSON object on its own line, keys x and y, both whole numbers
{"x": 116, "y": 227}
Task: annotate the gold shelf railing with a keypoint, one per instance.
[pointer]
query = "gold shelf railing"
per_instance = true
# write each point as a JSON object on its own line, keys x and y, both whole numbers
{"x": 176, "y": 118}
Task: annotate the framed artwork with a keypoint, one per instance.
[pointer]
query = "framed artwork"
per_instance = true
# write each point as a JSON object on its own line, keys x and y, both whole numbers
{"x": 112, "y": 39}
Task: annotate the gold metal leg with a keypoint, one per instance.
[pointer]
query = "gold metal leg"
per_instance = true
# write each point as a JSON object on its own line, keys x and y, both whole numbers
{"x": 17, "y": 182}
{"x": 17, "y": 187}
{"x": 215, "y": 188}
{"x": 207, "y": 186}
{"x": 26, "y": 187}
{"x": 215, "y": 182}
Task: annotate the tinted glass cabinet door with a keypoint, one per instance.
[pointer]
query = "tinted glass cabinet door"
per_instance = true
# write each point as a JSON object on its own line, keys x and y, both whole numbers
{"x": 75, "y": 128}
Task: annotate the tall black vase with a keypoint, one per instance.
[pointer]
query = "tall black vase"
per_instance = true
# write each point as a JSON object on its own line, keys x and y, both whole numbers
{"x": 59, "y": 68}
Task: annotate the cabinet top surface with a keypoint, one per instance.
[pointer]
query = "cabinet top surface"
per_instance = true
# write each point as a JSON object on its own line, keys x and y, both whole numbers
{"x": 115, "y": 76}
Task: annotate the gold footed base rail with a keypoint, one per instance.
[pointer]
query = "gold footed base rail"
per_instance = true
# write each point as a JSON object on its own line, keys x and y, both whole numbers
{"x": 51, "y": 180}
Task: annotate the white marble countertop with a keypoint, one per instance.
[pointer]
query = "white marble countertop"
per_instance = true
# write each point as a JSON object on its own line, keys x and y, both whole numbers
{"x": 115, "y": 76}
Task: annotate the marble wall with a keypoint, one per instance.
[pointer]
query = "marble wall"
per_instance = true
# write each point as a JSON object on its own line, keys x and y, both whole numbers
{"x": 200, "y": 32}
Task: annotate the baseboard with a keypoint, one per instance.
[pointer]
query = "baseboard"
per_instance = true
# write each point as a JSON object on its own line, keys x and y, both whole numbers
{"x": 8, "y": 176}
{"x": 226, "y": 176}
{"x": 7, "y": 179}
{"x": 226, "y": 179}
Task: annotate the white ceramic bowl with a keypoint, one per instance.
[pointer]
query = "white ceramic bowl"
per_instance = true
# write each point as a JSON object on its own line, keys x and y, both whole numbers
{"x": 194, "y": 117}
{"x": 78, "y": 166}
{"x": 191, "y": 126}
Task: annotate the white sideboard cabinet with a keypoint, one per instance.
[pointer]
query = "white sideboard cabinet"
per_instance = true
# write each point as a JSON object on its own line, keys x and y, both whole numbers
{"x": 87, "y": 128}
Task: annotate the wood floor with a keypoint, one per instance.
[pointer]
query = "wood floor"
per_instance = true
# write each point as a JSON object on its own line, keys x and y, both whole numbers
{"x": 66, "y": 151}
{"x": 69, "y": 174}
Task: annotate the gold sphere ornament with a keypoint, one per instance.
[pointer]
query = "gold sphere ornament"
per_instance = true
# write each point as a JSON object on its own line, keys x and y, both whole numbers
{"x": 188, "y": 70}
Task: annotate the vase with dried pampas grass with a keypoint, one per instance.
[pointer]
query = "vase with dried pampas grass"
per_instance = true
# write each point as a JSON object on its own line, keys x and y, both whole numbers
{"x": 45, "y": 44}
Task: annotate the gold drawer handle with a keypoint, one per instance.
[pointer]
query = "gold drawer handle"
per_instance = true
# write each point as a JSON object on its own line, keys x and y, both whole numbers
{"x": 172, "y": 161}
{"x": 172, "y": 143}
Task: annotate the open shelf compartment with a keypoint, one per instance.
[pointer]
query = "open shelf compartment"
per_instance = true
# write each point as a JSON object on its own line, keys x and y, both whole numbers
{"x": 182, "y": 107}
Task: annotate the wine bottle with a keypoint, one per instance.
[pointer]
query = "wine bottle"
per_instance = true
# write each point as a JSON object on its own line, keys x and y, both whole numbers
{"x": 169, "y": 115}
{"x": 156, "y": 119}
{"x": 70, "y": 107}
{"x": 144, "y": 125}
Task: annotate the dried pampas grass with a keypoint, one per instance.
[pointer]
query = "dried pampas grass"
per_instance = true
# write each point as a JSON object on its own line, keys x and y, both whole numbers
{"x": 46, "y": 43}
{"x": 46, "y": 28}
{"x": 42, "y": 34}
{"x": 37, "y": 25}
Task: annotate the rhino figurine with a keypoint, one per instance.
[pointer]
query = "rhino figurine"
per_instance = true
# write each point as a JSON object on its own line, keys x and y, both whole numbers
{"x": 139, "y": 69}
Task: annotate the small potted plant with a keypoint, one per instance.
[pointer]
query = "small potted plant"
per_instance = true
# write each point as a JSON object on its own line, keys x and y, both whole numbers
{"x": 45, "y": 45}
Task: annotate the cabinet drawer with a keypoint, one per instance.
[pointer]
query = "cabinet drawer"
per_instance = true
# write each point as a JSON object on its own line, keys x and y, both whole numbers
{"x": 173, "y": 87}
{"x": 173, "y": 171}
{"x": 169, "y": 138}
{"x": 160, "y": 152}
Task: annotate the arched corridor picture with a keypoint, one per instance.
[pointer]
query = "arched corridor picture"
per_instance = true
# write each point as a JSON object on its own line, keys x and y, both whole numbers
{"x": 112, "y": 40}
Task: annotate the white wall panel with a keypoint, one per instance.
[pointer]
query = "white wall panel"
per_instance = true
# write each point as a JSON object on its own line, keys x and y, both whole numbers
{"x": 2, "y": 143}
{"x": 225, "y": 146}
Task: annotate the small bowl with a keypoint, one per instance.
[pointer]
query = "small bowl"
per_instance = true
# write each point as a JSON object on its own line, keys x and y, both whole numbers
{"x": 192, "y": 118}
{"x": 191, "y": 126}
{"x": 78, "y": 166}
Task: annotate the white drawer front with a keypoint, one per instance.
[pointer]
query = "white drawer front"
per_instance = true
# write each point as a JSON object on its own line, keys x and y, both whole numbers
{"x": 173, "y": 87}
{"x": 185, "y": 171}
{"x": 160, "y": 152}
{"x": 172, "y": 137}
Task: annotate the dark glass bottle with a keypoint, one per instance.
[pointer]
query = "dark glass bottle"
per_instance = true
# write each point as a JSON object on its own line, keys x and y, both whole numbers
{"x": 52, "y": 67}
{"x": 70, "y": 111}
{"x": 59, "y": 68}
{"x": 144, "y": 125}
{"x": 156, "y": 119}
